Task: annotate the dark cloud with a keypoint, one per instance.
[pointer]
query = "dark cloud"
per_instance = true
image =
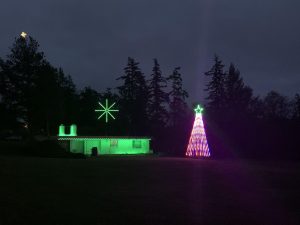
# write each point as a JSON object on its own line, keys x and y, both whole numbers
{"x": 91, "y": 40}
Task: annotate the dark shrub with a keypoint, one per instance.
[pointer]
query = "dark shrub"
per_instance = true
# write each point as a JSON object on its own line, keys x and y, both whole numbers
{"x": 47, "y": 148}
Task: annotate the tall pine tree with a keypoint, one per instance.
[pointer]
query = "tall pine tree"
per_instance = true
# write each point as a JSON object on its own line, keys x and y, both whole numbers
{"x": 216, "y": 85}
{"x": 133, "y": 99}
{"x": 19, "y": 74}
{"x": 33, "y": 91}
{"x": 178, "y": 106}
{"x": 238, "y": 95}
{"x": 69, "y": 98}
{"x": 158, "y": 98}
{"x": 88, "y": 102}
{"x": 296, "y": 107}
{"x": 276, "y": 106}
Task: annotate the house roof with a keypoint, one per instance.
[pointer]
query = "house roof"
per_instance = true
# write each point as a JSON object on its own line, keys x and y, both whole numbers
{"x": 62, "y": 138}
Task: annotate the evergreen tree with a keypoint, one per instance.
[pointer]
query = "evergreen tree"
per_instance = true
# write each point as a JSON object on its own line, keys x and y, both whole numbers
{"x": 108, "y": 94}
{"x": 158, "y": 98}
{"x": 34, "y": 92}
{"x": 46, "y": 100}
{"x": 178, "y": 106}
{"x": 238, "y": 95}
{"x": 256, "y": 107}
{"x": 276, "y": 106}
{"x": 68, "y": 98}
{"x": 133, "y": 99}
{"x": 296, "y": 107}
{"x": 18, "y": 76}
{"x": 216, "y": 85}
{"x": 7, "y": 119}
{"x": 88, "y": 102}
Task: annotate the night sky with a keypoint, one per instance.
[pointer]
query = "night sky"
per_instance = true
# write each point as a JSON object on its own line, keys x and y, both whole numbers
{"x": 91, "y": 40}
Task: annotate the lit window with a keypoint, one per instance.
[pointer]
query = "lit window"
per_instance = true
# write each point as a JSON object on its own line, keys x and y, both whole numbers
{"x": 136, "y": 143}
{"x": 113, "y": 143}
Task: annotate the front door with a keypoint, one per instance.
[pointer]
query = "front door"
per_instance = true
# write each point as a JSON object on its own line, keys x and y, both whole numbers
{"x": 94, "y": 151}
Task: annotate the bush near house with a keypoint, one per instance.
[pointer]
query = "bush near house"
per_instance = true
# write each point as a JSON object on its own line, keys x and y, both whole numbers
{"x": 46, "y": 148}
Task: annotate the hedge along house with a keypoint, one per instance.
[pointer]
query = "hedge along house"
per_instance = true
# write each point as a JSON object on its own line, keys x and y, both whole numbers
{"x": 102, "y": 145}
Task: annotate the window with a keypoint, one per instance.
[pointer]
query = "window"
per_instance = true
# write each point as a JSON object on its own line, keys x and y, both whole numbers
{"x": 136, "y": 143}
{"x": 113, "y": 143}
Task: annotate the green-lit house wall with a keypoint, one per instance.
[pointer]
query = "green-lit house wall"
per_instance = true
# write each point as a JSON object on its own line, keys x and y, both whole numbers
{"x": 102, "y": 145}
{"x": 106, "y": 145}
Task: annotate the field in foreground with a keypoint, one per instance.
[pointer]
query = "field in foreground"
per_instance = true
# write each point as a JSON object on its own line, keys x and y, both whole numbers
{"x": 148, "y": 190}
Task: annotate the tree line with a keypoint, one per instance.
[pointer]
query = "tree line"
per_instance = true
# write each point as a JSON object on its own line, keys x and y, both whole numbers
{"x": 242, "y": 124}
{"x": 227, "y": 92}
{"x": 36, "y": 98}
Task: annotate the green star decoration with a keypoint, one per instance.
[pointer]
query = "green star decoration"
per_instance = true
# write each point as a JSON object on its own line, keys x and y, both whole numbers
{"x": 106, "y": 110}
{"x": 198, "y": 109}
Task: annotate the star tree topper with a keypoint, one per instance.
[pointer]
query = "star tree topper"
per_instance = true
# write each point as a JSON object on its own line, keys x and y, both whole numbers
{"x": 198, "y": 109}
{"x": 106, "y": 110}
{"x": 23, "y": 34}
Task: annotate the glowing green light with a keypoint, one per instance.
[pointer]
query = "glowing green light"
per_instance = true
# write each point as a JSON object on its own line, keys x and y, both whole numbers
{"x": 62, "y": 132}
{"x": 106, "y": 110}
{"x": 73, "y": 130}
{"x": 198, "y": 109}
{"x": 107, "y": 145}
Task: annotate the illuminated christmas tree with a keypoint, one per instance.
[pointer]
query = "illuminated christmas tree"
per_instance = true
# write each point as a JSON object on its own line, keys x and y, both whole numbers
{"x": 198, "y": 146}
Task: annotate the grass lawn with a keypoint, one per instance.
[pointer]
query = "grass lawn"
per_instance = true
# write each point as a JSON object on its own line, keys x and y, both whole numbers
{"x": 148, "y": 190}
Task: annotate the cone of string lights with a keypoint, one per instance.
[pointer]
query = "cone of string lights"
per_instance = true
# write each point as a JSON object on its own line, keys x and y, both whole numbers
{"x": 197, "y": 146}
